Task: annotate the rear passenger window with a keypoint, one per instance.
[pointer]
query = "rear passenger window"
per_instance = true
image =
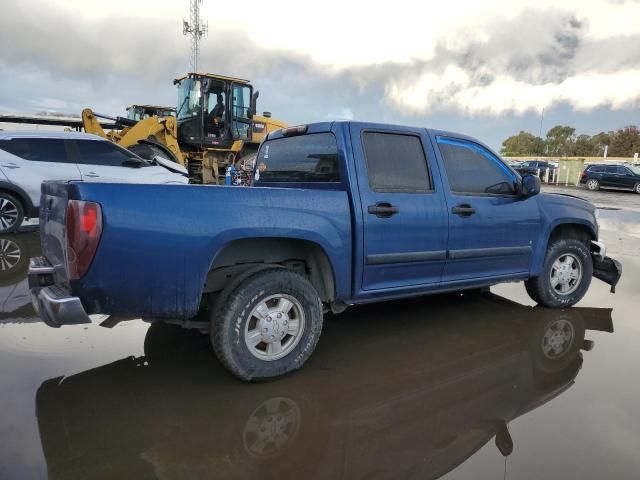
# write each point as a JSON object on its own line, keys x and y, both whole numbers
{"x": 96, "y": 152}
{"x": 305, "y": 158}
{"x": 472, "y": 169}
{"x": 595, "y": 169}
{"x": 395, "y": 162}
{"x": 37, "y": 149}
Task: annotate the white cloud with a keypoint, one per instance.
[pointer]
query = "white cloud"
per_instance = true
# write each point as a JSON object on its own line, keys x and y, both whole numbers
{"x": 467, "y": 57}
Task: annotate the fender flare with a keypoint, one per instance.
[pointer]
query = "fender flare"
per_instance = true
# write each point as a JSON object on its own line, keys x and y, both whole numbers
{"x": 30, "y": 211}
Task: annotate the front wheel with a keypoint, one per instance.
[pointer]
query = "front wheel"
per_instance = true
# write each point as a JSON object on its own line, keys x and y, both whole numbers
{"x": 268, "y": 326}
{"x": 566, "y": 274}
{"x": 637, "y": 188}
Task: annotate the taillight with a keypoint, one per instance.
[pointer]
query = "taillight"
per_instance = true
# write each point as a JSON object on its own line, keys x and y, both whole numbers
{"x": 84, "y": 227}
{"x": 292, "y": 131}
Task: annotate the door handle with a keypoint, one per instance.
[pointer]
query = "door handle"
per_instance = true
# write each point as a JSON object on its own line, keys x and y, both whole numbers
{"x": 383, "y": 209}
{"x": 11, "y": 165}
{"x": 91, "y": 174}
{"x": 464, "y": 210}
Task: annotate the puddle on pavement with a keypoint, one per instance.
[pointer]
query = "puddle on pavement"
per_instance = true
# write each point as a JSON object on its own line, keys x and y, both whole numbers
{"x": 461, "y": 386}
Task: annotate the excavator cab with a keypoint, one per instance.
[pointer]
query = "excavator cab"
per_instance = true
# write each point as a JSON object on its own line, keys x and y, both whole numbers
{"x": 214, "y": 111}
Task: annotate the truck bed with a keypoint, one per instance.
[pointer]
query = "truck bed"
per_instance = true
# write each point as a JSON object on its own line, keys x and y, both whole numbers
{"x": 168, "y": 235}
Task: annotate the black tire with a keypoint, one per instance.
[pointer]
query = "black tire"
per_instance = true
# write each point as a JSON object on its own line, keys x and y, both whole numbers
{"x": 233, "y": 316}
{"x": 540, "y": 288}
{"x": 11, "y": 213}
{"x": 592, "y": 184}
{"x": 149, "y": 152}
{"x": 14, "y": 260}
{"x": 637, "y": 188}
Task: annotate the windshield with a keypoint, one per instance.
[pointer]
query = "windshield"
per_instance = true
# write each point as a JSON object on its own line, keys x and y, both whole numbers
{"x": 188, "y": 98}
{"x": 635, "y": 169}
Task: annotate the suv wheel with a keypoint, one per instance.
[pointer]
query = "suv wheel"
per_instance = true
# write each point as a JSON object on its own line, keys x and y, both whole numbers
{"x": 566, "y": 274}
{"x": 637, "y": 188}
{"x": 268, "y": 326}
{"x": 593, "y": 184}
{"x": 11, "y": 213}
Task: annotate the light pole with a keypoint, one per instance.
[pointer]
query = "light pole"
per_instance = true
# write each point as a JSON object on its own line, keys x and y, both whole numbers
{"x": 540, "y": 131}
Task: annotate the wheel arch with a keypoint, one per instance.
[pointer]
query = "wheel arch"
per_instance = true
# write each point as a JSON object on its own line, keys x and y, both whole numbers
{"x": 304, "y": 256}
{"x": 29, "y": 209}
{"x": 574, "y": 228}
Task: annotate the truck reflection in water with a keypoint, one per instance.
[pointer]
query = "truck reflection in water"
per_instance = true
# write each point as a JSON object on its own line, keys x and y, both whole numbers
{"x": 397, "y": 390}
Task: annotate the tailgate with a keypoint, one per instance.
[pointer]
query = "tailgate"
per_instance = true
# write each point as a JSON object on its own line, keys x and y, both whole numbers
{"x": 53, "y": 212}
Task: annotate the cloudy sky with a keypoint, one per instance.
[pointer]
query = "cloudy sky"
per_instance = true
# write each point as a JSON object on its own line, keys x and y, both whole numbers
{"x": 483, "y": 68}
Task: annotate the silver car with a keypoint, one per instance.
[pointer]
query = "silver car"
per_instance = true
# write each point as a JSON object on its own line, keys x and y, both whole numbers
{"x": 29, "y": 158}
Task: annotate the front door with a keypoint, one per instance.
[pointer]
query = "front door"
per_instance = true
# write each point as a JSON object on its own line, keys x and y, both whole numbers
{"x": 103, "y": 161}
{"x": 404, "y": 218}
{"x": 492, "y": 231}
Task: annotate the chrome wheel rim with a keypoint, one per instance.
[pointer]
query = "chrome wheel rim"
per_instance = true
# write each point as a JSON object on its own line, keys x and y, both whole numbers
{"x": 274, "y": 327}
{"x": 9, "y": 254}
{"x": 8, "y": 213}
{"x": 592, "y": 184}
{"x": 271, "y": 427}
{"x": 557, "y": 339}
{"x": 566, "y": 273}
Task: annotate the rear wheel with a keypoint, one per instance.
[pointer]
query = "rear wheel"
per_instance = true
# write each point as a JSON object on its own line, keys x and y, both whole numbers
{"x": 593, "y": 184}
{"x": 11, "y": 213}
{"x": 637, "y": 188}
{"x": 268, "y": 326}
{"x": 566, "y": 274}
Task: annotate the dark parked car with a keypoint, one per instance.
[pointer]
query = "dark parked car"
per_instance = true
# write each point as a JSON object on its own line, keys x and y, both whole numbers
{"x": 532, "y": 167}
{"x": 616, "y": 177}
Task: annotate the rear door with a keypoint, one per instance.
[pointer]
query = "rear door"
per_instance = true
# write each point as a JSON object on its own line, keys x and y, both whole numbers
{"x": 28, "y": 161}
{"x": 492, "y": 231}
{"x": 608, "y": 177}
{"x": 404, "y": 218}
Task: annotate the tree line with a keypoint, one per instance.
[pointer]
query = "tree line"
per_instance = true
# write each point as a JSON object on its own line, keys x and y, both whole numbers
{"x": 562, "y": 141}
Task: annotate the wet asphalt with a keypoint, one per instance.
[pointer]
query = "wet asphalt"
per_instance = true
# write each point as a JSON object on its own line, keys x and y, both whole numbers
{"x": 472, "y": 386}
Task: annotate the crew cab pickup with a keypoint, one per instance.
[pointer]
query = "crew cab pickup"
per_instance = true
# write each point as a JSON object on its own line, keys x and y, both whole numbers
{"x": 340, "y": 213}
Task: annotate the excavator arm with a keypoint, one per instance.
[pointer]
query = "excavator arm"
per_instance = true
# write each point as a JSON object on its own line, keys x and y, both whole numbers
{"x": 158, "y": 130}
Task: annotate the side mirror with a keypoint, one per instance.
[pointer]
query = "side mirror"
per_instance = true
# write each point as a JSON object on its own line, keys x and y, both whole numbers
{"x": 252, "y": 106}
{"x": 530, "y": 186}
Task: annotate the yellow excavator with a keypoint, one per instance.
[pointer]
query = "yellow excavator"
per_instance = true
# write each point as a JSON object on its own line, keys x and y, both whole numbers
{"x": 215, "y": 125}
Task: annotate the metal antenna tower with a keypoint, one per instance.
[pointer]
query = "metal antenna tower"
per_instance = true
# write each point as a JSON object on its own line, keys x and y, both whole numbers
{"x": 196, "y": 29}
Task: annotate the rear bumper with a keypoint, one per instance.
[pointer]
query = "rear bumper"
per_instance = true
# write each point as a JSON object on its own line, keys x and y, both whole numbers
{"x": 53, "y": 303}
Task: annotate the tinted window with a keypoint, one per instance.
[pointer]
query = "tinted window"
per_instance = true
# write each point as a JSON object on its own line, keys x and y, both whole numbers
{"x": 305, "y": 158}
{"x": 473, "y": 169}
{"x": 37, "y": 149}
{"x": 595, "y": 169}
{"x": 620, "y": 170}
{"x": 96, "y": 152}
{"x": 395, "y": 162}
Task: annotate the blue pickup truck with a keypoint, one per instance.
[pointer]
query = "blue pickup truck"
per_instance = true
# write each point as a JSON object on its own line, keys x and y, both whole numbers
{"x": 341, "y": 213}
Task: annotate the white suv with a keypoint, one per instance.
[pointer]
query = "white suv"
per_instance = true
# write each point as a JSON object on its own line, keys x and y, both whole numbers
{"x": 29, "y": 158}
